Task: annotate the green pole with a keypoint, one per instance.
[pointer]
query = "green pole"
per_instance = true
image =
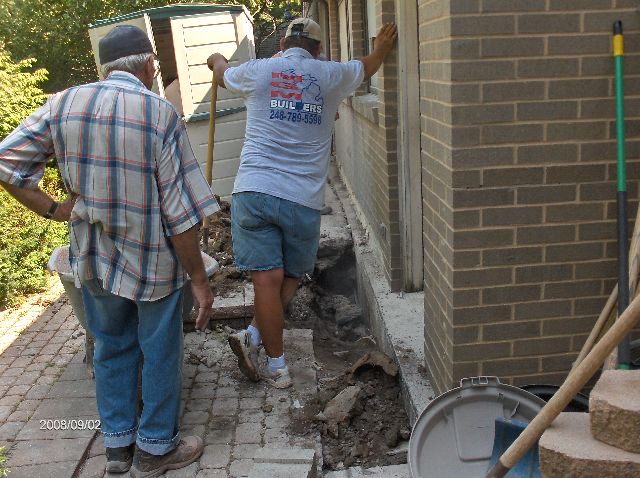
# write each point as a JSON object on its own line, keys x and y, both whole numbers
{"x": 624, "y": 353}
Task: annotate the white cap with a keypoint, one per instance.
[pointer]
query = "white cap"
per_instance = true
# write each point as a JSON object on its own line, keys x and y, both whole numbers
{"x": 304, "y": 27}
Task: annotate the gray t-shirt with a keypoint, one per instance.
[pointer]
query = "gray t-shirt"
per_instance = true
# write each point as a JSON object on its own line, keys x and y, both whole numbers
{"x": 291, "y": 107}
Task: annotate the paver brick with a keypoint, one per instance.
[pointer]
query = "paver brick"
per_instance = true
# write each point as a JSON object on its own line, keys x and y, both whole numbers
{"x": 215, "y": 456}
{"x": 195, "y": 418}
{"x": 248, "y": 432}
{"x": 186, "y": 472}
{"x": 13, "y": 371}
{"x": 27, "y": 378}
{"x": 18, "y": 390}
{"x": 199, "y": 404}
{"x": 240, "y": 468}
{"x": 9, "y": 430}
{"x": 209, "y": 473}
{"x": 19, "y": 416}
{"x": 245, "y": 451}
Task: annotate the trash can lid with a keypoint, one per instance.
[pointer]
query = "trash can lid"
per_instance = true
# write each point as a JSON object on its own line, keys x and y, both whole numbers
{"x": 453, "y": 437}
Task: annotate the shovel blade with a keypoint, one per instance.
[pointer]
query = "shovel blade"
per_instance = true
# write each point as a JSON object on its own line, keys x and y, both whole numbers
{"x": 506, "y": 433}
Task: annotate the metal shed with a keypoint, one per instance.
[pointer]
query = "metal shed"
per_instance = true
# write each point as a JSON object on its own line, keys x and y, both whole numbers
{"x": 184, "y": 36}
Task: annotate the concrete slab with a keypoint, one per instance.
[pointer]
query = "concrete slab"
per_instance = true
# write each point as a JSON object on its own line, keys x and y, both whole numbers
{"x": 284, "y": 456}
{"x": 39, "y": 452}
{"x": 74, "y": 371}
{"x": 84, "y": 388}
{"x": 49, "y": 470}
{"x": 274, "y": 470}
{"x": 67, "y": 408}
{"x": 396, "y": 319}
{"x": 394, "y": 471}
{"x": 41, "y": 429}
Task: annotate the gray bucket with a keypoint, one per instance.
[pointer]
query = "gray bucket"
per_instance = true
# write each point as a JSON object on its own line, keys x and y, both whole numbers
{"x": 453, "y": 437}
{"x": 59, "y": 262}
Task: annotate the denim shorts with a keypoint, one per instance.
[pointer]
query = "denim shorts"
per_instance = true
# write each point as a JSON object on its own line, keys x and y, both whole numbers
{"x": 273, "y": 233}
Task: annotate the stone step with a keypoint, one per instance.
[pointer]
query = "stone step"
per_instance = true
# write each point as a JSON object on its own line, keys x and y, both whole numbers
{"x": 567, "y": 449}
{"x": 614, "y": 406}
{"x": 290, "y": 462}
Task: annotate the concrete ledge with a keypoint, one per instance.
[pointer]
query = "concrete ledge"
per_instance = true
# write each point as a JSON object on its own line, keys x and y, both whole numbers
{"x": 393, "y": 471}
{"x": 396, "y": 319}
{"x": 284, "y": 463}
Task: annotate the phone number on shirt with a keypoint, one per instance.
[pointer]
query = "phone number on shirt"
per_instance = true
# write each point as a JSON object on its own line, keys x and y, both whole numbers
{"x": 295, "y": 117}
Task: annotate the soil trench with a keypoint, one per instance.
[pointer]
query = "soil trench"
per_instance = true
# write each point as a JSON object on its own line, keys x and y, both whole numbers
{"x": 375, "y": 429}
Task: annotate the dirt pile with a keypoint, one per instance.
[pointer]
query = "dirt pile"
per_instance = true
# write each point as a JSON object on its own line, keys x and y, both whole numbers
{"x": 358, "y": 409}
{"x": 220, "y": 247}
{"x": 360, "y": 417}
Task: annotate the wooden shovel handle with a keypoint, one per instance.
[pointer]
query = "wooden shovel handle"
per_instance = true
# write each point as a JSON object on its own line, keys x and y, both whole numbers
{"x": 212, "y": 132}
{"x": 572, "y": 385}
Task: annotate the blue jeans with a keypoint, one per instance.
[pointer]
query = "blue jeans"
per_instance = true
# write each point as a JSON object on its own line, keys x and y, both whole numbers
{"x": 125, "y": 331}
{"x": 273, "y": 233}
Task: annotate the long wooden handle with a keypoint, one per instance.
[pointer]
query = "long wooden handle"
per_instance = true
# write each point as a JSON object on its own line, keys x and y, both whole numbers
{"x": 572, "y": 385}
{"x": 598, "y": 327}
{"x": 212, "y": 133}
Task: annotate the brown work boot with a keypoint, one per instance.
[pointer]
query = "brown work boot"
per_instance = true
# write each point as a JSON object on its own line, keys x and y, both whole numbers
{"x": 119, "y": 459}
{"x": 146, "y": 465}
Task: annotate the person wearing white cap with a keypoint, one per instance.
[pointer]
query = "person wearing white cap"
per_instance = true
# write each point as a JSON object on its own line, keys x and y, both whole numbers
{"x": 278, "y": 193}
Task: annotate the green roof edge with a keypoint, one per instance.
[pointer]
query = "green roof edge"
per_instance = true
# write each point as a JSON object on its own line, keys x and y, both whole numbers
{"x": 168, "y": 11}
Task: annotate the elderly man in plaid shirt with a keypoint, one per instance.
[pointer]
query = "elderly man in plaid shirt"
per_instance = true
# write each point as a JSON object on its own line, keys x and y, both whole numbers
{"x": 138, "y": 196}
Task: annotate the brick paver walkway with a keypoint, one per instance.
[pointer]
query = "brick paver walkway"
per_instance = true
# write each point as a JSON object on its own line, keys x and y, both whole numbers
{"x": 43, "y": 379}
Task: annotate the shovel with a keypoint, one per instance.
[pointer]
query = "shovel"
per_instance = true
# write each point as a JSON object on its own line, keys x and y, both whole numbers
{"x": 209, "y": 167}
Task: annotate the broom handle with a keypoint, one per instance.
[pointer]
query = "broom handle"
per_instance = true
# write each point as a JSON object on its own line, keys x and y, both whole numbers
{"x": 212, "y": 133}
{"x": 572, "y": 385}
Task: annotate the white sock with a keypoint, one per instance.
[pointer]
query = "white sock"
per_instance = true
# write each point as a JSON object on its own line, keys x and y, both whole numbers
{"x": 255, "y": 335}
{"x": 276, "y": 363}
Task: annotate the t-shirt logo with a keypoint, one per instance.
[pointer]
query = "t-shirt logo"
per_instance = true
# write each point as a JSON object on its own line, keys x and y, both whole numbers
{"x": 295, "y": 97}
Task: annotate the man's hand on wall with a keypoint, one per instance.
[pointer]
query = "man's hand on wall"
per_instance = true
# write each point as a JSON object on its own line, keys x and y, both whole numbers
{"x": 386, "y": 39}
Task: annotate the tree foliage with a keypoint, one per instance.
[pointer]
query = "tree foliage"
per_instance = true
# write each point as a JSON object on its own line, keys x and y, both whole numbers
{"x": 26, "y": 240}
{"x": 55, "y": 31}
{"x": 20, "y": 93}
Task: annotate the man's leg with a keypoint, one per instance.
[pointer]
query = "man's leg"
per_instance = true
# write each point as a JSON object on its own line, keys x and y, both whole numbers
{"x": 287, "y": 292}
{"x": 159, "y": 446}
{"x": 268, "y": 309}
{"x": 113, "y": 321}
{"x": 268, "y": 313}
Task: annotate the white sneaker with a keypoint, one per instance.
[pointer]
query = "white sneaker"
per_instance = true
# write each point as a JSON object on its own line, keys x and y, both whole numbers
{"x": 247, "y": 354}
{"x": 278, "y": 378}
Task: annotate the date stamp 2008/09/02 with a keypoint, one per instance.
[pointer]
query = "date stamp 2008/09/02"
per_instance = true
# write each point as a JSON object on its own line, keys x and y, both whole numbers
{"x": 69, "y": 424}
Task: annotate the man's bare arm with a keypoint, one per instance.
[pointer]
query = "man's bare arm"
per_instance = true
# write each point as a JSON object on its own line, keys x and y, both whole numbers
{"x": 219, "y": 64}
{"x": 384, "y": 43}
{"x": 188, "y": 251}
{"x": 40, "y": 202}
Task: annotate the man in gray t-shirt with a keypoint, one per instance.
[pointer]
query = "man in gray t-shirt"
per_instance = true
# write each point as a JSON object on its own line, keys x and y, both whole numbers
{"x": 291, "y": 104}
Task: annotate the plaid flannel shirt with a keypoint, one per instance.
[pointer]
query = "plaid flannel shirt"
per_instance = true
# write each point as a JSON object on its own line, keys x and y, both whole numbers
{"x": 124, "y": 151}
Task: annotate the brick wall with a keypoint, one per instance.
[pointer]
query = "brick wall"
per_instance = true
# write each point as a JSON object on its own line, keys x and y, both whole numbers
{"x": 435, "y": 109}
{"x": 366, "y": 144}
{"x": 519, "y": 191}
